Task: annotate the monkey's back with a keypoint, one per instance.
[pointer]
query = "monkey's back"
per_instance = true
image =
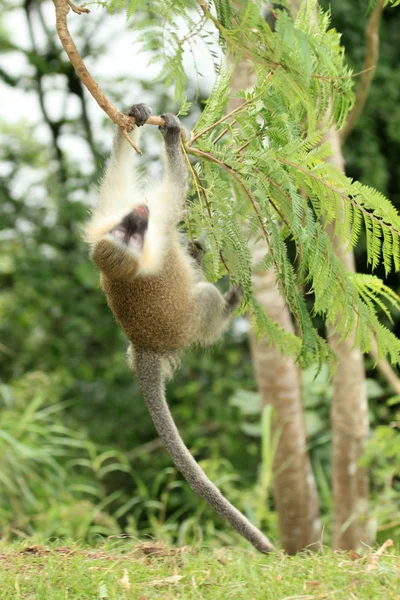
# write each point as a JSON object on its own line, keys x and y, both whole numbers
{"x": 156, "y": 312}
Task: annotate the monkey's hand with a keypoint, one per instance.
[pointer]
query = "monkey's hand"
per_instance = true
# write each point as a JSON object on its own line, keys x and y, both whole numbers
{"x": 233, "y": 298}
{"x": 171, "y": 131}
{"x": 141, "y": 112}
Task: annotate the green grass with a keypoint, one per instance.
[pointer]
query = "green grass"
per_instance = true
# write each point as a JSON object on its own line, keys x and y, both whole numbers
{"x": 127, "y": 571}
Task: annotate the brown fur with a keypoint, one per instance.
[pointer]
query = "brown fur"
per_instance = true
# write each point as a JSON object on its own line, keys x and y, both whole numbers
{"x": 155, "y": 312}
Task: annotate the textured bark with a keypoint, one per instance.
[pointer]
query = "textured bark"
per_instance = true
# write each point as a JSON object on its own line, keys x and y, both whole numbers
{"x": 349, "y": 411}
{"x": 278, "y": 380}
{"x": 349, "y": 416}
{"x": 279, "y": 384}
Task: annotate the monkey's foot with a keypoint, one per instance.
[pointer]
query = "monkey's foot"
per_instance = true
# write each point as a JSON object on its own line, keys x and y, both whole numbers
{"x": 141, "y": 112}
{"x": 233, "y": 298}
{"x": 131, "y": 230}
{"x": 171, "y": 131}
{"x": 196, "y": 250}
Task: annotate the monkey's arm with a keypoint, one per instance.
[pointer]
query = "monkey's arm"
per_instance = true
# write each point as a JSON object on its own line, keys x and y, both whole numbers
{"x": 119, "y": 190}
{"x": 119, "y": 186}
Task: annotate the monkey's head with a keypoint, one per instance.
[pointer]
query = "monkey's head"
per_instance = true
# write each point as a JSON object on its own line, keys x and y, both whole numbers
{"x": 131, "y": 230}
{"x": 113, "y": 254}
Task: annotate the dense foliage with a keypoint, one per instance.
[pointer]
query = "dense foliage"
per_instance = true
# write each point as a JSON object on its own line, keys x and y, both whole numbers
{"x": 268, "y": 153}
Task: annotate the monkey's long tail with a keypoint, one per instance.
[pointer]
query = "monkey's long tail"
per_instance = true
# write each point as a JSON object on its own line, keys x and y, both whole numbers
{"x": 149, "y": 373}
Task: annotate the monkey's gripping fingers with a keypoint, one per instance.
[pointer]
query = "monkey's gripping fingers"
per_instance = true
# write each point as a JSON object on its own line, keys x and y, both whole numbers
{"x": 141, "y": 112}
{"x": 171, "y": 131}
{"x": 233, "y": 298}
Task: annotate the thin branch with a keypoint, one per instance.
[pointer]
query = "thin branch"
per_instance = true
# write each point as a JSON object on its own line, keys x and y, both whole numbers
{"x": 352, "y": 76}
{"x": 222, "y": 119}
{"x": 255, "y": 207}
{"x": 124, "y": 122}
{"x": 238, "y": 180}
{"x": 343, "y": 195}
{"x": 384, "y": 367}
{"x": 371, "y": 59}
{"x": 201, "y": 192}
{"x": 224, "y": 131}
{"x": 236, "y": 177}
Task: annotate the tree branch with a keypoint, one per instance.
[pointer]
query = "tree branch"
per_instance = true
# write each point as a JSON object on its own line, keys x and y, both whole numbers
{"x": 124, "y": 122}
{"x": 385, "y": 367}
{"x": 371, "y": 59}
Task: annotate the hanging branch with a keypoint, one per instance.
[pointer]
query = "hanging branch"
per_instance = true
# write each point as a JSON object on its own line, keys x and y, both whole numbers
{"x": 124, "y": 122}
{"x": 367, "y": 75}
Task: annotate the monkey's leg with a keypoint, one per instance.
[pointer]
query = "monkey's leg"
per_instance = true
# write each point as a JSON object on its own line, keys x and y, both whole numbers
{"x": 214, "y": 311}
{"x": 175, "y": 178}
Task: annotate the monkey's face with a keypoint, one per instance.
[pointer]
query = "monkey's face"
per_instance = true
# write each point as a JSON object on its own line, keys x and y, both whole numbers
{"x": 131, "y": 230}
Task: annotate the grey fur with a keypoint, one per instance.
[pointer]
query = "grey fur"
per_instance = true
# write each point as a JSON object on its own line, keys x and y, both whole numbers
{"x": 148, "y": 369}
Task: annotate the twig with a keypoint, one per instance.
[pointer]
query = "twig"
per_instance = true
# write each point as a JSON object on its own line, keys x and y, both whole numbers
{"x": 224, "y": 131}
{"x": 207, "y": 129}
{"x": 124, "y": 122}
{"x": 240, "y": 183}
{"x": 371, "y": 58}
{"x": 201, "y": 192}
{"x": 384, "y": 367}
{"x": 253, "y": 203}
{"x": 234, "y": 111}
{"x": 343, "y": 195}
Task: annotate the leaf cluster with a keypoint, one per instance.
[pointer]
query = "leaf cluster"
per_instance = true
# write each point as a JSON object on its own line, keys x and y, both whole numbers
{"x": 264, "y": 174}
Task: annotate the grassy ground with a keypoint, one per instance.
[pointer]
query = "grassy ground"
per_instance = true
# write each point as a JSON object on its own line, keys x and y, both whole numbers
{"x": 148, "y": 571}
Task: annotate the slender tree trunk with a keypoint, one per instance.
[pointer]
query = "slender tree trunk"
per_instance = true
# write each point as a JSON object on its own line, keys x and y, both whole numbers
{"x": 349, "y": 416}
{"x": 349, "y": 412}
{"x": 278, "y": 380}
{"x": 279, "y": 384}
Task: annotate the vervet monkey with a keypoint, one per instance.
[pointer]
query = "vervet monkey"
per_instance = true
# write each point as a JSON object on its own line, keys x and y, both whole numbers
{"x": 154, "y": 287}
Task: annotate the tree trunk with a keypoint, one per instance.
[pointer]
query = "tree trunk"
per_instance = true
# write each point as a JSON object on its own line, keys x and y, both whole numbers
{"x": 278, "y": 380}
{"x": 349, "y": 415}
{"x": 279, "y": 384}
{"x": 349, "y": 412}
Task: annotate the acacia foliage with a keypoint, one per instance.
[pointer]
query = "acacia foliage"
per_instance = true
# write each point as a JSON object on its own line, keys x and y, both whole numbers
{"x": 264, "y": 165}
